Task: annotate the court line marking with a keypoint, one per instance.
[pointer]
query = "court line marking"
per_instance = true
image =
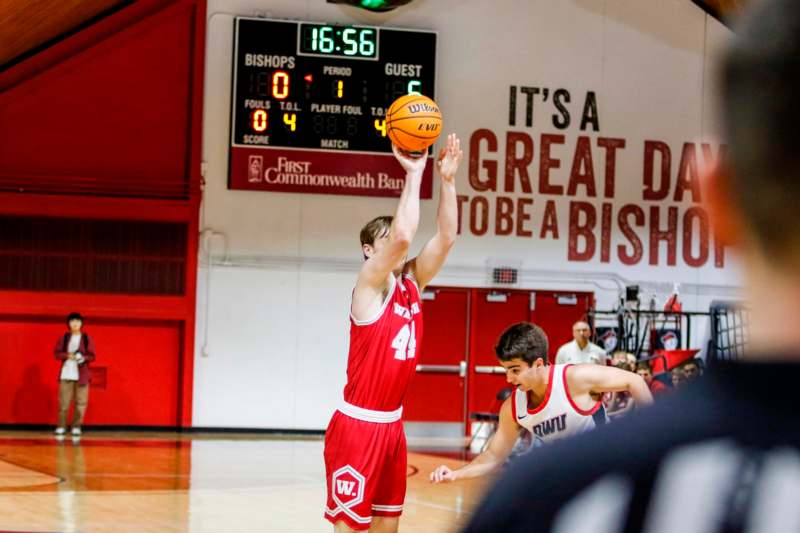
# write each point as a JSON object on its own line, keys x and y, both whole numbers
{"x": 58, "y": 478}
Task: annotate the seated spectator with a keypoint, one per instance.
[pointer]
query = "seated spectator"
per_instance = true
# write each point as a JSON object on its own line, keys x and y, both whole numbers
{"x": 624, "y": 360}
{"x": 631, "y": 362}
{"x": 619, "y": 403}
{"x": 581, "y": 349}
{"x": 678, "y": 377}
{"x": 645, "y": 370}
{"x": 692, "y": 369}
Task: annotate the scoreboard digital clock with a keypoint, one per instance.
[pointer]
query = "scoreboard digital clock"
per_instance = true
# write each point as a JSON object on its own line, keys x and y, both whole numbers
{"x": 309, "y": 103}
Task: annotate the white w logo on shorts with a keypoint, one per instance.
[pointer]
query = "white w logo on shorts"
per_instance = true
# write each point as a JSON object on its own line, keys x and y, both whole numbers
{"x": 347, "y": 491}
{"x": 345, "y": 487}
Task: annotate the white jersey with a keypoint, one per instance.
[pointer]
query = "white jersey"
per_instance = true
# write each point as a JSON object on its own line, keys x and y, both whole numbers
{"x": 557, "y": 416}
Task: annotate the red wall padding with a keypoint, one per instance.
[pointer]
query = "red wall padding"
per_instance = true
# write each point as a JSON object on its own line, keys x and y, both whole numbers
{"x": 113, "y": 118}
{"x": 106, "y": 125}
{"x": 142, "y": 369}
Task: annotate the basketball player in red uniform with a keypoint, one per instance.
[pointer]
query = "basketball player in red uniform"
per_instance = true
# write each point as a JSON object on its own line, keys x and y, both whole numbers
{"x": 365, "y": 447}
{"x": 552, "y": 402}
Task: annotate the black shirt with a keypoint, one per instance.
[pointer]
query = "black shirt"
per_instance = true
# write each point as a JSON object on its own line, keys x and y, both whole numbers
{"x": 720, "y": 455}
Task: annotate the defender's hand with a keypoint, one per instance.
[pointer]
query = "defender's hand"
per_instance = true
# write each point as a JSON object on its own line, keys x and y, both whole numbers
{"x": 449, "y": 158}
{"x": 411, "y": 164}
{"x": 443, "y": 474}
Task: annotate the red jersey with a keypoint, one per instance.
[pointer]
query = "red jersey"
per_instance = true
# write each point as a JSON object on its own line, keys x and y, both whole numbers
{"x": 383, "y": 350}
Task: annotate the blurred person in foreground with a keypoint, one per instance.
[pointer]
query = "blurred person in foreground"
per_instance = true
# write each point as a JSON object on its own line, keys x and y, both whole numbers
{"x": 722, "y": 455}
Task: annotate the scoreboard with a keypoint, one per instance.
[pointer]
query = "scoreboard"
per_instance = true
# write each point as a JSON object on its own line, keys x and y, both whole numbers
{"x": 309, "y": 103}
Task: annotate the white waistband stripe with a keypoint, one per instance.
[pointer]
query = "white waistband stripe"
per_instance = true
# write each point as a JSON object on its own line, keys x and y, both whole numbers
{"x": 367, "y": 415}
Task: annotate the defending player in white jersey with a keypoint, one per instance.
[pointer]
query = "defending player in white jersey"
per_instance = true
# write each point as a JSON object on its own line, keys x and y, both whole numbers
{"x": 550, "y": 401}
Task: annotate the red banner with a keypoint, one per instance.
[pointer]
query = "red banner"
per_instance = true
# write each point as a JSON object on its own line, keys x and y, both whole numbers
{"x": 320, "y": 172}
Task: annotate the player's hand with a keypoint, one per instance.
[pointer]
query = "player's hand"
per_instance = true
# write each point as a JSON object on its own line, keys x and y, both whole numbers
{"x": 443, "y": 474}
{"x": 411, "y": 164}
{"x": 71, "y": 356}
{"x": 449, "y": 159}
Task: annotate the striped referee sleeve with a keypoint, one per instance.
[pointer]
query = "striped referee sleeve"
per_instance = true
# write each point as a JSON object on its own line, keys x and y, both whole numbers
{"x": 710, "y": 487}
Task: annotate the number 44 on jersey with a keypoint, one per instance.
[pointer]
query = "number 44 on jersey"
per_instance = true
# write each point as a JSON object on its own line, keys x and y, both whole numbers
{"x": 405, "y": 343}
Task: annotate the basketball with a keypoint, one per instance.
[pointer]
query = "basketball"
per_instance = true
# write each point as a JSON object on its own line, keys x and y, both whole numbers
{"x": 414, "y": 122}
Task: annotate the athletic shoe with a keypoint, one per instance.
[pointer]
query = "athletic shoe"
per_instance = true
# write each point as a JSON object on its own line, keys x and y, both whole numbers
{"x": 60, "y": 432}
{"x": 76, "y": 432}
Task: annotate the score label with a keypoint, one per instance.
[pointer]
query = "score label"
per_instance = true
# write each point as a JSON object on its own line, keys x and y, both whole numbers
{"x": 314, "y": 96}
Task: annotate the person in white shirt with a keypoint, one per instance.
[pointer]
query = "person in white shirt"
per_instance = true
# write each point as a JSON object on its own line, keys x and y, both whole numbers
{"x": 581, "y": 350}
{"x": 75, "y": 350}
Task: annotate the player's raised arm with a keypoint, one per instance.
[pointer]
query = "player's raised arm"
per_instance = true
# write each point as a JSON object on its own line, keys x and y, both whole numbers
{"x": 495, "y": 455}
{"x": 388, "y": 252}
{"x": 596, "y": 379}
{"x": 425, "y": 266}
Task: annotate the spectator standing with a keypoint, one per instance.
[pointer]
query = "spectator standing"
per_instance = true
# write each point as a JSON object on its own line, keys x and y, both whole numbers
{"x": 75, "y": 349}
{"x": 581, "y": 349}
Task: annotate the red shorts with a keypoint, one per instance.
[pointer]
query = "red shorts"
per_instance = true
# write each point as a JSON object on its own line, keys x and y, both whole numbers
{"x": 365, "y": 466}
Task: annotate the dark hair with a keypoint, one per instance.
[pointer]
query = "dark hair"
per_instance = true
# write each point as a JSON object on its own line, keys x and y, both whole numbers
{"x": 760, "y": 81}
{"x": 644, "y": 365}
{"x": 74, "y": 316}
{"x": 696, "y": 361}
{"x": 524, "y": 341}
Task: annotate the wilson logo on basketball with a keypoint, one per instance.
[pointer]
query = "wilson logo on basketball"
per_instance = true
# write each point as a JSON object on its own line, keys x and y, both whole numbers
{"x": 422, "y": 108}
{"x": 413, "y": 122}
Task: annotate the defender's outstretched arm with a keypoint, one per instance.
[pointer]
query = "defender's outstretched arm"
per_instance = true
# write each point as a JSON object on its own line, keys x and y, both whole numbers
{"x": 495, "y": 455}
{"x": 598, "y": 379}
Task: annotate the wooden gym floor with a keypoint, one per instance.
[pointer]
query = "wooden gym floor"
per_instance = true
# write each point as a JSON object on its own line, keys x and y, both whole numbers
{"x": 164, "y": 482}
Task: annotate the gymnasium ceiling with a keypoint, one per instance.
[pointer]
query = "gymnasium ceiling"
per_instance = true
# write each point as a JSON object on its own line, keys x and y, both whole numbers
{"x": 30, "y": 25}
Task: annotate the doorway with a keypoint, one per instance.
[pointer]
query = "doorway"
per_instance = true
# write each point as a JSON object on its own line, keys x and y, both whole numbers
{"x": 457, "y": 372}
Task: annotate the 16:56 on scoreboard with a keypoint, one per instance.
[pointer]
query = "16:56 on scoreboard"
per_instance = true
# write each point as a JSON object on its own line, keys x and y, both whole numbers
{"x": 309, "y": 103}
